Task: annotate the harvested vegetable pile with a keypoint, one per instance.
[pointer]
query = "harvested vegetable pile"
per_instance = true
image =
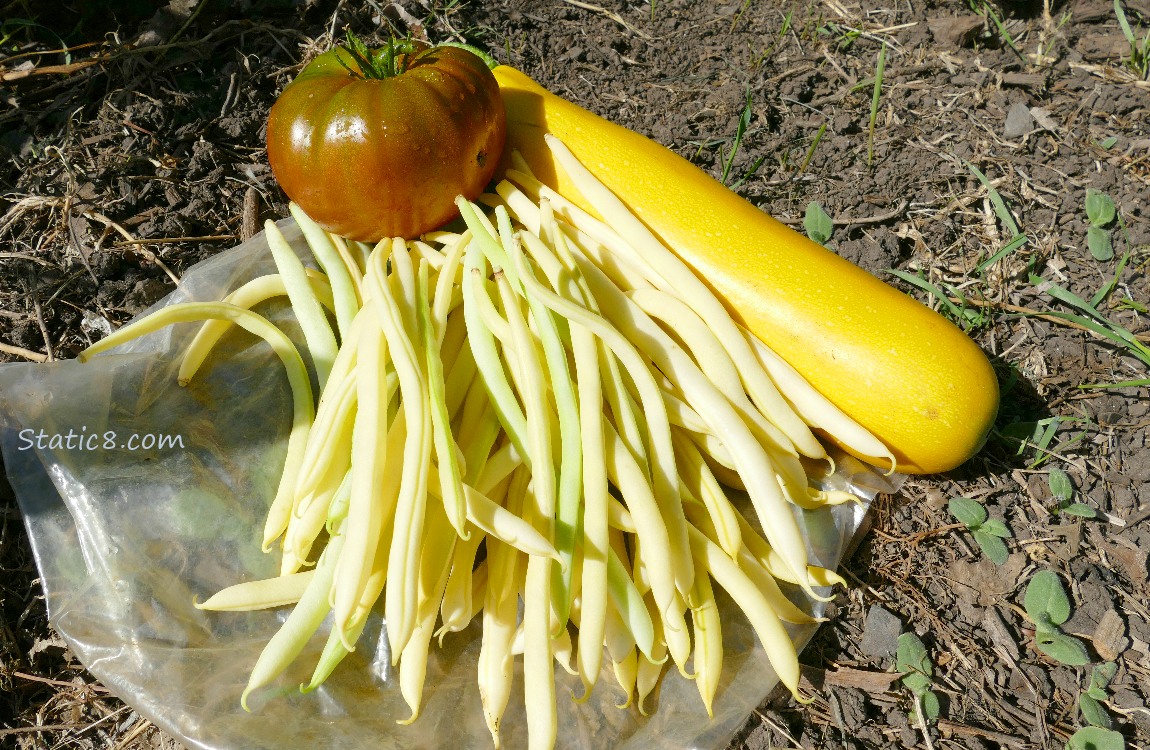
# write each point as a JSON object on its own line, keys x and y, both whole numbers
{"x": 565, "y": 471}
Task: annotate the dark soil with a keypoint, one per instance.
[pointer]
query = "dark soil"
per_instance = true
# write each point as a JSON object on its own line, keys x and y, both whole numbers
{"x": 139, "y": 153}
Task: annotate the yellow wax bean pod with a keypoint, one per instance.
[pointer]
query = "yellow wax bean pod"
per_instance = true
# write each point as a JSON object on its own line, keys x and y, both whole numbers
{"x": 396, "y": 317}
{"x": 704, "y": 487}
{"x": 816, "y": 409}
{"x": 662, "y": 464}
{"x": 329, "y": 441}
{"x": 477, "y": 430}
{"x": 681, "y": 322}
{"x": 249, "y": 295}
{"x": 353, "y": 258}
{"x": 593, "y": 573}
{"x": 371, "y": 504}
{"x": 625, "y": 474}
{"x": 303, "y": 412}
{"x": 454, "y": 340}
{"x": 682, "y": 280}
{"x": 330, "y": 431}
{"x": 500, "y": 614}
{"x": 597, "y": 231}
{"x": 499, "y": 522}
{"x": 345, "y": 297}
{"x": 650, "y": 668}
{"x": 619, "y": 401}
{"x": 302, "y": 532}
{"x": 629, "y": 603}
{"x": 462, "y": 382}
{"x": 706, "y": 350}
{"x": 447, "y": 460}
{"x": 707, "y": 626}
{"x": 459, "y": 603}
{"x": 434, "y": 567}
{"x": 334, "y": 652}
{"x": 787, "y": 610}
{"x": 447, "y": 284}
{"x": 770, "y": 560}
{"x": 562, "y": 649}
{"x": 768, "y": 627}
{"x": 478, "y": 586}
{"x": 427, "y": 254}
{"x": 317, "y": 331}
{"x": 626, "y": 671}
{"x": 618, "y": 517}
{"x": 496, "y": 663}
{"x": 264, "y": 593}
{"x": 756, "y": 465}
{"x": 485, "y": 351}
{"x": 301, "y": 624}
{"x": 569, "y": 493}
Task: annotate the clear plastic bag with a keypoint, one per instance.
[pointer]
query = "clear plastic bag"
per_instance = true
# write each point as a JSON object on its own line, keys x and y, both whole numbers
{"x": 157, "y": 499}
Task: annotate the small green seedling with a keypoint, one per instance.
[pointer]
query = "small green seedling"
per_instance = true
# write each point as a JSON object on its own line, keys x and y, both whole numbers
{"x": 740, "y": 131}
{"x": 1090, "y": 702}
{"x": 1063, "y": 490}
{"x": 988, "y": 533}
{"x": 1048, "y": 607}
{"x": 912, "y": 658}
{"x": 1139, "y": 59}
{"x": 818, "y": 223}
{"x": 879, "y": 68}
{"x": 1101, "y": 212}
{"x": 1096, "y": 738}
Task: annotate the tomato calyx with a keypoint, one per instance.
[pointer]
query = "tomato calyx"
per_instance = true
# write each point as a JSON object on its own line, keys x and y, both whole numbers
{"x": 393, "y": 58}
{"x": 388, "y": 61}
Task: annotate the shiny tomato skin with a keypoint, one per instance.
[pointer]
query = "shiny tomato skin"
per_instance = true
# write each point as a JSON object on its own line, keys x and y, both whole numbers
{"x": 373, "y": 158}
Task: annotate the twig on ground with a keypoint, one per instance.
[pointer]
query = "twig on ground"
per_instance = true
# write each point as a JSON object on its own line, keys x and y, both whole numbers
{"x": 850, "y": 222}
{"x": 19, "y": 351}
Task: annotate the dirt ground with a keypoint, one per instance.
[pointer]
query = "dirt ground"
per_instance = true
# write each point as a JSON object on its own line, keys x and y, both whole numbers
{"x": 138, "y": 151}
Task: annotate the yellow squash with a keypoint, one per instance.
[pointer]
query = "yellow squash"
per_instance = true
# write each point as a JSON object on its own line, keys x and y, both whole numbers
{"x": 900, "y": 369}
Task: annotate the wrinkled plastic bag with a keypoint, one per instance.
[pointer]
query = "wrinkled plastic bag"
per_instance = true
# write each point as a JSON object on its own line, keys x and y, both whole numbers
{"x": 158, "y": 500}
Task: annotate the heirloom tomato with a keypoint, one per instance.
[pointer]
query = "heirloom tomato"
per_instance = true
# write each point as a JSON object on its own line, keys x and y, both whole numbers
{"x": 379, "y": 143}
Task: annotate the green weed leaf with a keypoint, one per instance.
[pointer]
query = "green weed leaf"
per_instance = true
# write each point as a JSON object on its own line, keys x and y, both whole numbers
{"x": 818, "y": 223}
{"x": 969, "y": 513}
{"x": 1101, "y": 675}
{"x": 1063, "y": 648}
{"x": 912, "y": 657}
{"x": 1060, "y": 485}
{"x": 1093, "y": 712}
{"x": 1099, "y": 208}
{"x": 916, "y": 682}
{"x": 992, "y": 546}
{"x": 1109, "y": 142}
{"x": 1045, "y": 599}
{"x": 1079, "y": 509}
{"x": 1096, "y": 738}
{"x": 930, "y": 706}
{"x": 996, "y": 528}
{"x": 1098, "y": 241}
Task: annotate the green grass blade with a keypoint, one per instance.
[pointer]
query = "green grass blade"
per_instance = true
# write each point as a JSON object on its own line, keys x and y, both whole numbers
{"x": 1000, "y": 209}
{"x": 1017, "y": 242}
{"x": 879, "y": 68}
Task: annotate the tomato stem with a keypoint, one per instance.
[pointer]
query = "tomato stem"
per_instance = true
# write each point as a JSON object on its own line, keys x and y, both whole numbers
{"x": 394, "y": 58}
{"x": 390, "y": 60}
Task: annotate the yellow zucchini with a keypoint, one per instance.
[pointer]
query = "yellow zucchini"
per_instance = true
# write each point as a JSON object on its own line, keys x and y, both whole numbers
{"x": 900, "y": 369}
